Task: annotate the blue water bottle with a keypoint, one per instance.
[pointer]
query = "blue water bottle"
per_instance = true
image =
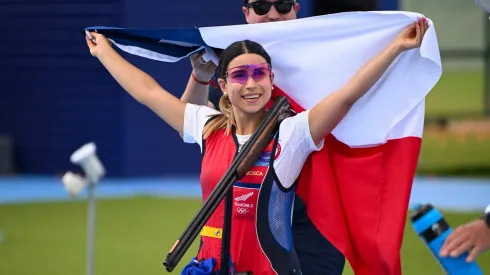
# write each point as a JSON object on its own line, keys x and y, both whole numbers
{"x": 431, "y": 226}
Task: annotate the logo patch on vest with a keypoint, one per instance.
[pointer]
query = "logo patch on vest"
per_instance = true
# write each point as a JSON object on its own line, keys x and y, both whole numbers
{"x": 244, "y": 202}
{"x": 268, "y": 150}
{"x": 245, "y": 197}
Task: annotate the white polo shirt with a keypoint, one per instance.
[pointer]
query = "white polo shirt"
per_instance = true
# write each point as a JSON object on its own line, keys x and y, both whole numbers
{"x": 294, "y": 140}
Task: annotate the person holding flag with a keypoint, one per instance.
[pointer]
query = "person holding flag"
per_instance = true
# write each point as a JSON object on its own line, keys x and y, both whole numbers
{"x": 247, "y": 81}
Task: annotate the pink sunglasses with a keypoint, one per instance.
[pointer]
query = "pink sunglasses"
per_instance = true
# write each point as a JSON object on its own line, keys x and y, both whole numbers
{"x": 241, "y": 74}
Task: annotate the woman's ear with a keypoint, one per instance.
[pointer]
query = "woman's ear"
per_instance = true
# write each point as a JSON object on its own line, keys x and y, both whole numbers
{"x": 272, "y": 77}
{"x": 222, "y": 84}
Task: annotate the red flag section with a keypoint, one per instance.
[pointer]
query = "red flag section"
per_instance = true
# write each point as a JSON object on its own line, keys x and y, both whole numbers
{"x": 358, "y": 198}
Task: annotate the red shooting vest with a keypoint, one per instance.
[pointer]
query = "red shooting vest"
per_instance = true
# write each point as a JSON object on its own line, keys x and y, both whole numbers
{"x": 246, "y": 253}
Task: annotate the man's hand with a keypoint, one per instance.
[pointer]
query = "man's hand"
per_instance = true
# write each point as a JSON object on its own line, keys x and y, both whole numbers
{"x": 202, "y": 70}
{"x": 473, "y": 237}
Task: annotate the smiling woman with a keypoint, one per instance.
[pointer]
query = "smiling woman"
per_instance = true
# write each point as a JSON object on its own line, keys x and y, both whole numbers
{"x": 246, "y": 88}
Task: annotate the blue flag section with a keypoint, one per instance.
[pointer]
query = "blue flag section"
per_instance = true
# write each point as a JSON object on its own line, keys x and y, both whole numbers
{"x": 167, "y": 45}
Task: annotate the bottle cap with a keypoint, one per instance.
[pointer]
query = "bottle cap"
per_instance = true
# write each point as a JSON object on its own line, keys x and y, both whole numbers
{"x": 420, "y": 211}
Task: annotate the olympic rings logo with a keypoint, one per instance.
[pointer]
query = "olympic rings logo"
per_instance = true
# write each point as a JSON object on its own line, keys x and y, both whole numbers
{"x": 242, "y": 211}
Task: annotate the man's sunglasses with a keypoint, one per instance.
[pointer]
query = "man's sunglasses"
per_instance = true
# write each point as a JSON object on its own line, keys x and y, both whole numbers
{"x": 263, "y": 7}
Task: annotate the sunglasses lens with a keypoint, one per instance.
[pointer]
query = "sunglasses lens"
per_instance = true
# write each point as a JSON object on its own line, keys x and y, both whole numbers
{"x": 239, "y": 76}
{"x": 260, "y": 73}
{"x": 284, "y": 7}
{"x": 262, "y": 7}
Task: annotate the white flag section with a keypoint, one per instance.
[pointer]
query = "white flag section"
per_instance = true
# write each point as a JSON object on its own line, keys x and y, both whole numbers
{"x": 315, "y": 56}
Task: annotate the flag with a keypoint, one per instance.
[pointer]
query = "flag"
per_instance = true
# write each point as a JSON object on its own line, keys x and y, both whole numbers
{"x": 357, "y": 187}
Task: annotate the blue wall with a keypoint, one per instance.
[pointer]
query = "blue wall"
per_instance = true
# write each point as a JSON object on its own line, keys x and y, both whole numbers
{"x": 55, "y": 97}
{"x": 388, "y": 4}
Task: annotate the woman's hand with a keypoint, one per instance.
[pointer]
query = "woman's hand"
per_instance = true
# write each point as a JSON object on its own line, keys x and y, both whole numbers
{"x": 100, "y": 45}
{"x": 411, "y": 37}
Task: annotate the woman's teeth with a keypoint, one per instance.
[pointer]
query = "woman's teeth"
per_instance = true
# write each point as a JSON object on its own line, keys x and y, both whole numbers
{"x": 251, "y": 96}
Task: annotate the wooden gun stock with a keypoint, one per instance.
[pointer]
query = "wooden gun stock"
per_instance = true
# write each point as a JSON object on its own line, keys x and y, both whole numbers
{"x": 263, "y": 139}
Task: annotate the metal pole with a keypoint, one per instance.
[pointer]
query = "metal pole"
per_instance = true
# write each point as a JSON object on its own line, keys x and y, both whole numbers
{"x": 90, "y": 228}
{"x": 486, "y": 72}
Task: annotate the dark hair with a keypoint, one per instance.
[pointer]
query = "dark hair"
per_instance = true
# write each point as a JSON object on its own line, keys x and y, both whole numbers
{"x": 238, "y": 48}
{"x": 226, "y": 120}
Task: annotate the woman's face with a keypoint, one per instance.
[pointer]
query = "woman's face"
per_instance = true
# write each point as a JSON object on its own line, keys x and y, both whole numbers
{"x": 248, "y": 83}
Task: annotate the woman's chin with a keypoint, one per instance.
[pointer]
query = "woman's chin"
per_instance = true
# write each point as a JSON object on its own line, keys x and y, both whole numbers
{"x": 251, "y": 109}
